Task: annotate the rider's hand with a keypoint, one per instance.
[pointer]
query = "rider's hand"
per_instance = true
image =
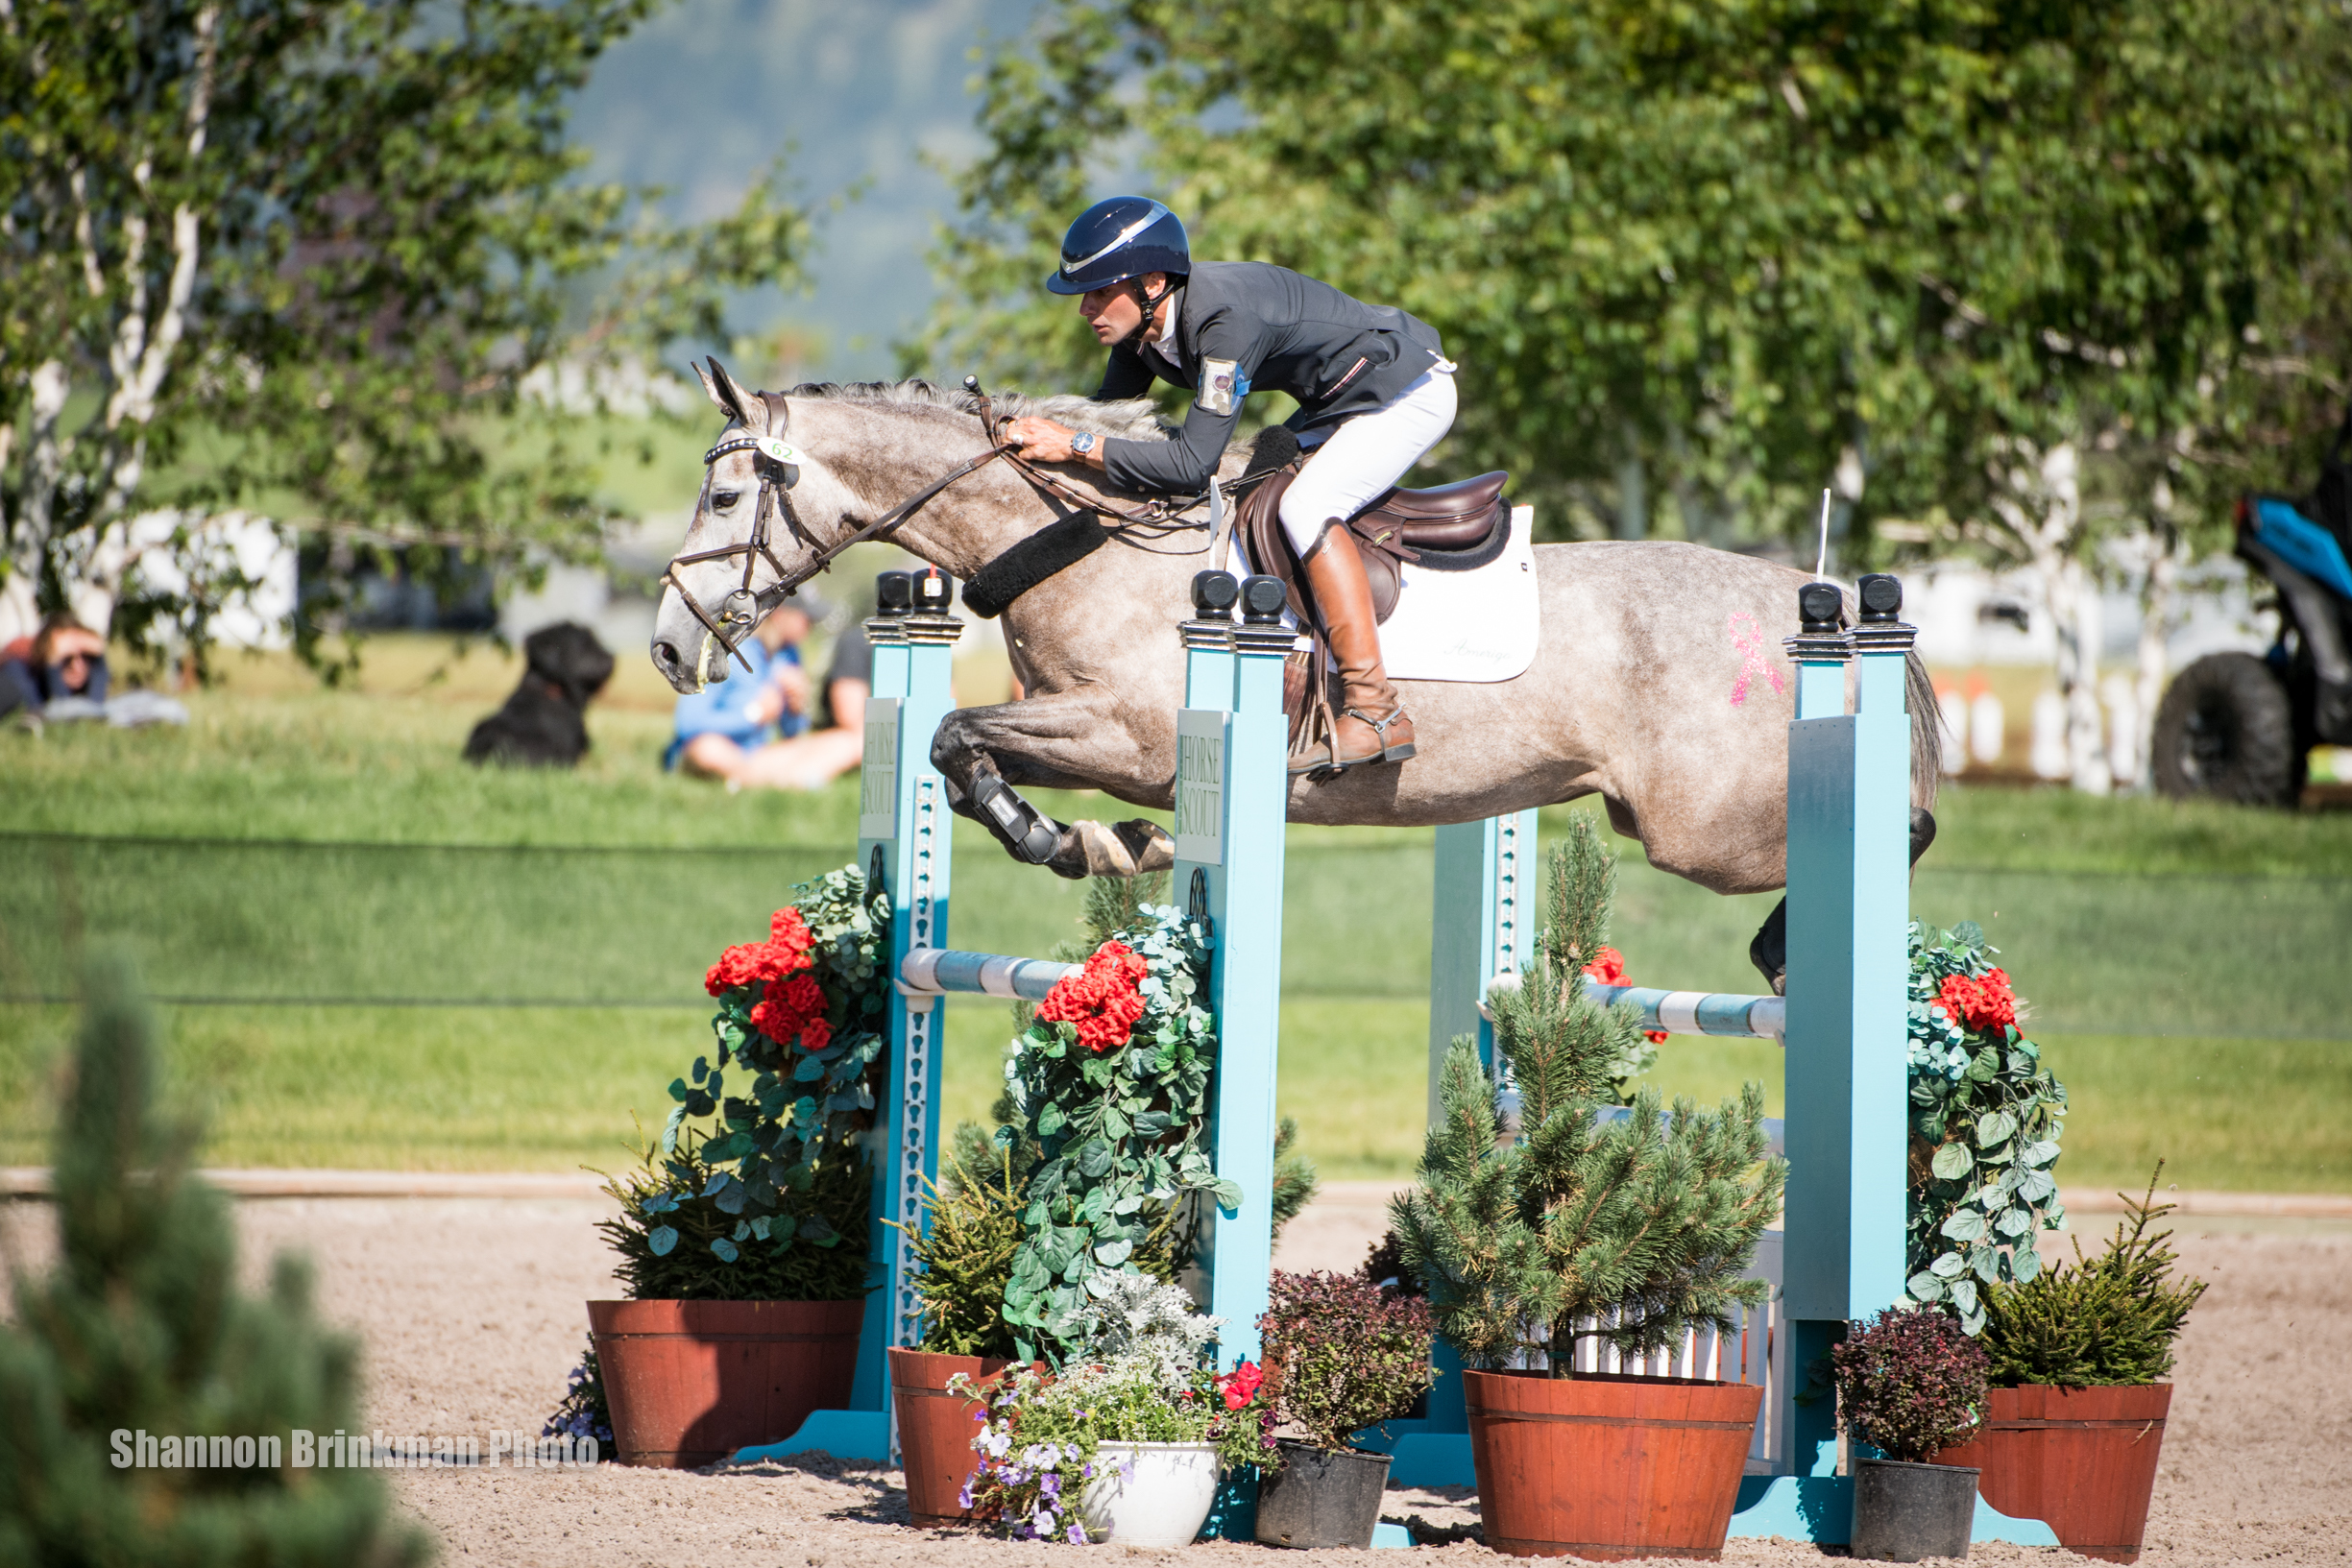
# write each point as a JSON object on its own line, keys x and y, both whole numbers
{"x": 1042, "y": 441}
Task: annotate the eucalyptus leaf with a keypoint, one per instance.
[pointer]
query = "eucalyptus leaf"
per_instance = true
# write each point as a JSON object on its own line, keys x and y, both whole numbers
{"x": 1951, "y": 1162}
{"x": 660, "y": 1240}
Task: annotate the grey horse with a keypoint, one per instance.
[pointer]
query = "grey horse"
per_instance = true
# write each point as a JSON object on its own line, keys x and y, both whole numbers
{"x": 1658, "y": 684}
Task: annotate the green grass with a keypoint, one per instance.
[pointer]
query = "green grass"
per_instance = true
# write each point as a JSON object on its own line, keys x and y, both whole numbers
{"x": 2186, "y": 963}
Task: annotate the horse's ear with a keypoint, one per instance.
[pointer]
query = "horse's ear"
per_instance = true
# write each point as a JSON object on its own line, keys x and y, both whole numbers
{"x": 721, "y": 390}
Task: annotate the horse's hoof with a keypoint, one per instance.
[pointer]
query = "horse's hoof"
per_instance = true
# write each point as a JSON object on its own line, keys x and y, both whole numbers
{"x": 1106, "y": 854}
{"x": 1148, "y": 844}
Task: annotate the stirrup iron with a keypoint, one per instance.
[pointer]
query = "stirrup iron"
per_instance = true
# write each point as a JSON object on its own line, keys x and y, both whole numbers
{"x": 1380, "y": 728}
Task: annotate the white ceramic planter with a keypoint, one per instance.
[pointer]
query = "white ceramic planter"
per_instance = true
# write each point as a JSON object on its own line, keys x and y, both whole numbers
{"x": 1162, "y": 1498}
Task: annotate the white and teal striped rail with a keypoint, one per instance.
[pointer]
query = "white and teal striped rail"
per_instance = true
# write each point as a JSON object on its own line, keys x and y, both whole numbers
{"x": 1700, "y": 1012}
{"x": 944, "y": 971}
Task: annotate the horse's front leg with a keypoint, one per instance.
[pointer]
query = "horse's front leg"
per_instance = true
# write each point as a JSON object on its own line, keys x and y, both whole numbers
{"x": 1068, "y": 740}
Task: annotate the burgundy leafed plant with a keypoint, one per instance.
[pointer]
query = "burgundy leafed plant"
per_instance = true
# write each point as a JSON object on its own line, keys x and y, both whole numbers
{"x": 1347, "y": 1354}
{"x": 1911, "y": 1383}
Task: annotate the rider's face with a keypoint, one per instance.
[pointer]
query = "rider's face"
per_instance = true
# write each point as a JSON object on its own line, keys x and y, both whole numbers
{"x": 1112, "y": 310}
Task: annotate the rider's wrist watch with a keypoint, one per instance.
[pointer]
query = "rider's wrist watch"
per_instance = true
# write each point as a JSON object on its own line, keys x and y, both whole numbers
{"x": 1082, "y": 442}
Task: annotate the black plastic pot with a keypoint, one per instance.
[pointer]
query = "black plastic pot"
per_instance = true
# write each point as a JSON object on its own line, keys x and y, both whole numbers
{"x": 1903, "y": 1512}
{"x": 1322, "y": 1498}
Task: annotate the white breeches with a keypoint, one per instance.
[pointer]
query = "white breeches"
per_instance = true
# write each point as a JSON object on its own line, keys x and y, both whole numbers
{"x": 1369, "y": 454}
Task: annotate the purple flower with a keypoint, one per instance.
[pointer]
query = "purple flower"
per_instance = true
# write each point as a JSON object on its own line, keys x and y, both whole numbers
{"x": 1050, "y": 1484}
{"x": 1043, "y": 1524}
{"x": 1085, "y": 1472}
{"x": 1078, "y": 1533}
{"x": 963, "y": 1499}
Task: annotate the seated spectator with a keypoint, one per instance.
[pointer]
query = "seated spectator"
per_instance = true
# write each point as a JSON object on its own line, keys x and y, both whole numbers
{"x": 63, "y": 659}
{"x": 801, "y": 757}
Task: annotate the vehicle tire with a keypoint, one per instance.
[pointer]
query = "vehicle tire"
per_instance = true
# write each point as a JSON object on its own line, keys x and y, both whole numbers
{"x": 2225, "y": 729}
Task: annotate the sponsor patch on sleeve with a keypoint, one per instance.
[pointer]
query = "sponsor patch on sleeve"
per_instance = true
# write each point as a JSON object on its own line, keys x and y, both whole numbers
{"x": 1223, "y": 386}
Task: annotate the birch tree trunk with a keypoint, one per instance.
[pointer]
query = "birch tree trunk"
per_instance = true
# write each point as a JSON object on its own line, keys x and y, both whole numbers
{"x": 2159, "y": 615}
{"x": 2038, "y": 498}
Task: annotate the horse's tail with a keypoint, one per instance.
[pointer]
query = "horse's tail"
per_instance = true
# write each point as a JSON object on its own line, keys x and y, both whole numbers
{"x": 1926, "y": 732}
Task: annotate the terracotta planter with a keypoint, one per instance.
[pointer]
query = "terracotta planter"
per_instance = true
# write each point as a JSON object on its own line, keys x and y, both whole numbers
{"x": 935, "y": 1428}
{"x": 1608, "y": 1467}
{"x": 2082, "y": 1461}
{"x": 691, "y": 1382}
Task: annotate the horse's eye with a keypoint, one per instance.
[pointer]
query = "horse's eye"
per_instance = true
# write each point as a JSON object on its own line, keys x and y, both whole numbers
{"x": 721, "y": 499}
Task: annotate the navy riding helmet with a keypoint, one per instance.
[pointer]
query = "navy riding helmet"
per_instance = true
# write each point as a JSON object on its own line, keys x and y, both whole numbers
{"x": 1123, "y": 237}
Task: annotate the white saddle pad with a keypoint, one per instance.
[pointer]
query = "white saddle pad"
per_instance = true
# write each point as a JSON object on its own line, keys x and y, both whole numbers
{"x": 1477, "y": 625}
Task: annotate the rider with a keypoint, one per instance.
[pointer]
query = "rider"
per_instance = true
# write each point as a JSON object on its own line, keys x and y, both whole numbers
{"x": 1374, "y": 394}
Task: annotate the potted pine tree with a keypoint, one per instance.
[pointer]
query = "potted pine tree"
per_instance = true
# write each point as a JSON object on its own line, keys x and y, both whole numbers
{"x": 1577, "y": 1232}
{"x": 743, "y": 1233}
{"x": 1343, "y": 1355}
{"x": 964, "y": 1257}
{"x": 1911, "y": 1383}
{"x": 2074, "y": 1420}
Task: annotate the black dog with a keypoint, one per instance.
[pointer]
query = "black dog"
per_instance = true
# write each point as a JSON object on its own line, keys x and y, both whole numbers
{"x": 542, "y": 723}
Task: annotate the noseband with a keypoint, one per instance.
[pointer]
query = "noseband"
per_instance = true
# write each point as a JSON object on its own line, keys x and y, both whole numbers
{"x": 778, "y": 470}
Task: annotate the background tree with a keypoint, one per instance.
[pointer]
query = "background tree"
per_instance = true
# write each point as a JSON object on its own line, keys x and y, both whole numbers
{"x": 298, "y": 260}
{"x": 1990, "y": 269}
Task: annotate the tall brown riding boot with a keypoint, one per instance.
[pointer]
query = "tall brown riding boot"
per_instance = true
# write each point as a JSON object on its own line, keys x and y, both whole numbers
{"x": 1371, "y": 725}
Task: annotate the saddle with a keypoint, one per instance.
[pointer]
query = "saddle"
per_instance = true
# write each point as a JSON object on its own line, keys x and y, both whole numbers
{"x": 1399, "y": 526}
{"x": 1457, "y": 526}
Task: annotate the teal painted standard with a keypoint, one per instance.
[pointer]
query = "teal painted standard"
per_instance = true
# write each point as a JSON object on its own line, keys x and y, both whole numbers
{"x": 1230, "y": 854}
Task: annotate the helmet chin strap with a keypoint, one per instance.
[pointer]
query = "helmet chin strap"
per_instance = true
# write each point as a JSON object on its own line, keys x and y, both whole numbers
{"x": 1150, "y": 303}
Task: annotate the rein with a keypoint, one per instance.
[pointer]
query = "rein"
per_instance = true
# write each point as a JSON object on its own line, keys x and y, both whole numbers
{"x": 774, "y": 464}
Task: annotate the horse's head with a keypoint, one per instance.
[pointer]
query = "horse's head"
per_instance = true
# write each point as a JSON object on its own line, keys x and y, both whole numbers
{"x": 764, "y": 511}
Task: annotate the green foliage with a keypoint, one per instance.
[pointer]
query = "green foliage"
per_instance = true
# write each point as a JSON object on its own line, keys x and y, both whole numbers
{"x": 1909, "y": 1383}
{"x": 675, "y": 1241}
{"x": 141, "y": 1326}
{"x": 1985, "y": 1119}
{"x": 1347, "y": 1354}
{"x": 783, "y": 1169}
{"x": 322, "y": 258}
{"x": 972, "y": 1230}
{"x": 2108, "y": 1319}
{"x": 1138, "y": 1372}
{"x": 1121, "y": 1134}
{"x": 1632, "y": 1230}
{"x": 1699, "y": 249}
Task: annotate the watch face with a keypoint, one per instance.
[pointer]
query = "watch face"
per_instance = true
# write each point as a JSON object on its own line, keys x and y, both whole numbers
{"x": 1083, "y": 441}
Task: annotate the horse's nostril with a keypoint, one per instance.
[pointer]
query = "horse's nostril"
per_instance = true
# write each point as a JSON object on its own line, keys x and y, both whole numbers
{"x": 665, "y": 657}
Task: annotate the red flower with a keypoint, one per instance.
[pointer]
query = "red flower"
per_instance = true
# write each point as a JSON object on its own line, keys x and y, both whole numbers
{"x": 787, "y": 928}
{"x": 1103, "y": 998}
{"x": 1241, "y": 1385}
{"x": 786, "y": 953}
{"x": 1608, "y": 968}
{"x": 1985, "y": 1002}
{"x": 802, "y": 993}
{"x": 815, "y": 1035}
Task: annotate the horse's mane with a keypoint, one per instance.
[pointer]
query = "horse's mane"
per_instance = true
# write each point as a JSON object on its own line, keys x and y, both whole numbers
{"x": 1133, "y": 420}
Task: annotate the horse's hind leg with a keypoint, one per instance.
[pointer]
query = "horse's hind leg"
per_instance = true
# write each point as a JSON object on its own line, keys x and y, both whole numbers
{"x": 1768, "y": 951}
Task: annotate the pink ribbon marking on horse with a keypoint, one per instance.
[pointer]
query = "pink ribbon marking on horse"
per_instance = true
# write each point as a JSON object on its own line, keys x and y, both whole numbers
{"x": 1748, "y": 639}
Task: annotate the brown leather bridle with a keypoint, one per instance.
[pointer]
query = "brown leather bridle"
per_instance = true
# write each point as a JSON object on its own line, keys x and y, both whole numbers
{"x": 773, "y": 465}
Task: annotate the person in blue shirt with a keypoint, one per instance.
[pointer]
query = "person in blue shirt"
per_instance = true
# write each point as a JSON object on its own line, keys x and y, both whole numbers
{"x": 65, "y": 659}
{"x": 723, "y": 728}
{"x": 776, "y": 729}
